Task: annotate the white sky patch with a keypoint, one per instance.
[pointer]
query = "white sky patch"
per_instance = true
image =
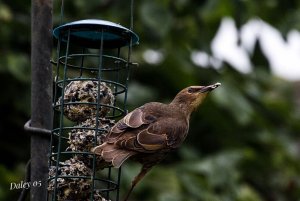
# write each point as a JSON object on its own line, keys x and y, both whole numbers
{"x": 204, "y": 60}
{"x": 153, "y": 56}
{"x": 226, "y": 48}
{"x": 200, "y": 58}
{"x": 283, "y": 55}
{"x": 249, "y": 34}
{"x": 215, "y": 63}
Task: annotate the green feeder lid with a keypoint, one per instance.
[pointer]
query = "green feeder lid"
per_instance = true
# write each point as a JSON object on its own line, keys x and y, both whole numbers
{"x": 88, "y": 33}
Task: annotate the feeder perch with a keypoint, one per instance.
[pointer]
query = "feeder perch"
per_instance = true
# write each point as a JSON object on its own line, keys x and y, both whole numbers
{"x": 90, "y": 92}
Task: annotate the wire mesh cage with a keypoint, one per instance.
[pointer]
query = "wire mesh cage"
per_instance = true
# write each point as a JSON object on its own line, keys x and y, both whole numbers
{"x": 90, "y": 91}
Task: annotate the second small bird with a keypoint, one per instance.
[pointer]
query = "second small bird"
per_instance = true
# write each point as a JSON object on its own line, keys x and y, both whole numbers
{"x": 151, "y": 131}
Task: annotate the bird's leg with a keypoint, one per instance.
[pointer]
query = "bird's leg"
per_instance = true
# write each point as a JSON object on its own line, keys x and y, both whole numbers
{"x": 142, "y": 173}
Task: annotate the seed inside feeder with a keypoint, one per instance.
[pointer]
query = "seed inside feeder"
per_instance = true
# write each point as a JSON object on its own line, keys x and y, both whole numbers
{"x": 80, "y": 100}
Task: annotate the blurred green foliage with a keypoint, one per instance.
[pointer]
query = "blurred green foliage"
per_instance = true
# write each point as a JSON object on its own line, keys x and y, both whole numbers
{"x": 243, "y": 143}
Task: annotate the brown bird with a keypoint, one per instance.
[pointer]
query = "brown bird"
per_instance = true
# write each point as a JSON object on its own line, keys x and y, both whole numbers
{"x": 151, "y": 131}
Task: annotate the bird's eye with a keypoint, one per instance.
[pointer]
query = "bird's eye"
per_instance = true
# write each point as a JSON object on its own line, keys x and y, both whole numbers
{"x": 192, "y": 90}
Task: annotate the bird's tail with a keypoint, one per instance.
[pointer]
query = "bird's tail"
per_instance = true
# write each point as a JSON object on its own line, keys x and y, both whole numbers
{"x": 110, "y": 153}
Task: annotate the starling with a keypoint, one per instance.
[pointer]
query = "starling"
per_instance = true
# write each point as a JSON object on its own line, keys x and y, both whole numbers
{"x": 81, "y": 98}
{"x": 151, "y": 131}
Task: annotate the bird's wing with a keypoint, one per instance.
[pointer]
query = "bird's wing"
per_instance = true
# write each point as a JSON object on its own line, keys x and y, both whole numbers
{"x": 140, "y": 131}
{"x": 133, "y": 120}
{"x": 165, "y": 133}
{"x": 132, "y": 132}
{"x": 121, "y": 142}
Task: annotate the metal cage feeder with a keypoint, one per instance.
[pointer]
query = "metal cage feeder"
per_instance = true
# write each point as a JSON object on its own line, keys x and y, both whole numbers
{"x": 90, "y": 92}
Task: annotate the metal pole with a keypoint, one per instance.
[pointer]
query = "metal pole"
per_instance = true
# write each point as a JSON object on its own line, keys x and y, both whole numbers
{"x": 41, "y": 95}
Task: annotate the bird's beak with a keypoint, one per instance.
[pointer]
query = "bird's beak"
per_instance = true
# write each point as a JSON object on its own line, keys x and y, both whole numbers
{"x": 209, "y": 87}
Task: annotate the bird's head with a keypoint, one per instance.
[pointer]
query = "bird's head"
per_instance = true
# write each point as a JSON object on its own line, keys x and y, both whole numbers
{"x": 191, "y": 97}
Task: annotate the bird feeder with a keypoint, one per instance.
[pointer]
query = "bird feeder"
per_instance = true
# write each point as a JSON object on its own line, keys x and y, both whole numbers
{"x": 90, "y": 92}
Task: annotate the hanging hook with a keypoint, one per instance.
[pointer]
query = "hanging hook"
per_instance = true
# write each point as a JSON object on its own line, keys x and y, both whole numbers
{"x": 62, "y": 12}
{"x": 131, "y": 15}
